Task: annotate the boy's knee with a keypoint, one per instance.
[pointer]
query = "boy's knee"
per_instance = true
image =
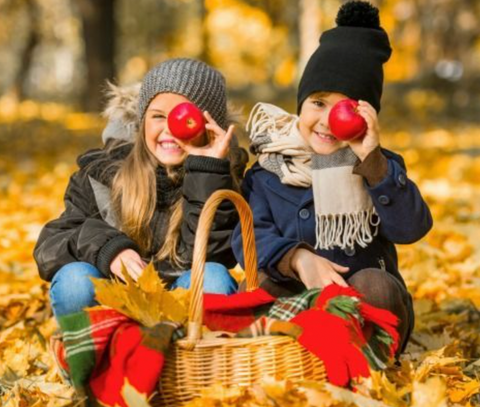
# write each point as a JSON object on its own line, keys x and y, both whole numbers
{"x": 378, "y": 287}
{"x": 382, "y": 290}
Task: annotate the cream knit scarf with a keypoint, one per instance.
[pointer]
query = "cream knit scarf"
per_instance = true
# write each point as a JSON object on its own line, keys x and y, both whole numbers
{"x": 344, "y": 211}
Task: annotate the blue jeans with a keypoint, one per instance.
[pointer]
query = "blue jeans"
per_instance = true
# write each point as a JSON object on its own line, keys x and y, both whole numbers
{"x": 72, "y": 290}
{"x": 217, "y": 280}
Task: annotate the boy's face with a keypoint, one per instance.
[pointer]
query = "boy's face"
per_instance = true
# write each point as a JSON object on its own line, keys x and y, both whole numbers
{"x": 313, "y": 123}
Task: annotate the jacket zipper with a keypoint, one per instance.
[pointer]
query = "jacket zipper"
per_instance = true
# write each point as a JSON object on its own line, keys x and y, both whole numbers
{"x": 381, "y": 261}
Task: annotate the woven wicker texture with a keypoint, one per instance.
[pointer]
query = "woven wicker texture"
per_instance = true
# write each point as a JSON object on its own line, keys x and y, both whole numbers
{"x": 195, "y": 363}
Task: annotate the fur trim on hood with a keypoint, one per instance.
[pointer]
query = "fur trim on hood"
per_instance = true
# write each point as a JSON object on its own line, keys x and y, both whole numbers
{"x": 121, "y": 112}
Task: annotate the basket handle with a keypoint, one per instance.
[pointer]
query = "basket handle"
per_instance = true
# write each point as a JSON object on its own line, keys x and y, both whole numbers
{"x": 195, "y": 320}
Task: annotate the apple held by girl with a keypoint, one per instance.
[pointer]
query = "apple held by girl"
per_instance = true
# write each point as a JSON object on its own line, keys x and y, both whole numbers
{"x": 186, "y": 121}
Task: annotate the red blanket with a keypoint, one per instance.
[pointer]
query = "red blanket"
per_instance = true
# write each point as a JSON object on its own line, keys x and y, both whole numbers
{"x": 101, "y": 348}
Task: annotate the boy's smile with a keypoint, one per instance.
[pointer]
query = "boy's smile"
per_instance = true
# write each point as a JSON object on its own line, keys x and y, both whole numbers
{"x": 313, "y": 123}
{"x": 326, "y": 138}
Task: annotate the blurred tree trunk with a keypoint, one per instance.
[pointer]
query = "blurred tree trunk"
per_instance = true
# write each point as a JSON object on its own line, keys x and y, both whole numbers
{"x": 309, "y": 30}
{"x": 26, "y": 57}
{"x": 99, "y": 36}
{"x": 449, "y": 31}
{"x": 204, "y": 54}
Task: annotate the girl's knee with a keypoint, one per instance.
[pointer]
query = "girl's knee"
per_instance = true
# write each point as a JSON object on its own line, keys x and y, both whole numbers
{"x": 72, "y": 289}
{"x": 76, "y": 272}
{"x": 218, "y": 280}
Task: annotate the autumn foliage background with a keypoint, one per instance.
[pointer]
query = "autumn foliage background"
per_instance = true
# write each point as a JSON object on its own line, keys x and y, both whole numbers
{"x": 48, "y": 115}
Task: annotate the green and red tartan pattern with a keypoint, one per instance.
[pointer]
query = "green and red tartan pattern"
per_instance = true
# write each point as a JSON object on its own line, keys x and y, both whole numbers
{"x": 339, "y": 314}
{"x": 103, "y": 348}
{"x": 86, "y": 336}
{"x": 347, "y": 350}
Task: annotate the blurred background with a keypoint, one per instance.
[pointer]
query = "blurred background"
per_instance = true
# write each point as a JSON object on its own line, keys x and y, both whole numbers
{"x": 62, "y": 52}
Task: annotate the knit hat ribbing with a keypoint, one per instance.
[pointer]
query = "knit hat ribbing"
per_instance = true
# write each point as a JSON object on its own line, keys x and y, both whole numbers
{"x": 197, "y": 81}
{"x": 350, "y": 57}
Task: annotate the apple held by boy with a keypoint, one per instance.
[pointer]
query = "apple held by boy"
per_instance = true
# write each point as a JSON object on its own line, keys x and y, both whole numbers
{"x": 345, "y": 121}
{"x": 186, "y": 121}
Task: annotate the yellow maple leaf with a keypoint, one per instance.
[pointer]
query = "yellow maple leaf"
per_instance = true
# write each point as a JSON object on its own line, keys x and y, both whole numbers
{"x": 438, "y": 360}
{"x": 463, "y": 390}
{"x": 380, "y": 387}
{"x": 132, "y": 397}
{"x": 347, "y": 397}
{"x": 146, "y": 301}
{"x": 316, "y": 394}
{"x": 432, "y": 393}
{"x": 148, "y": 280}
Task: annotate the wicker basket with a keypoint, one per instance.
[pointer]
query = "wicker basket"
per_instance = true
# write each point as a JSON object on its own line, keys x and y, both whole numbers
{"x": 195, "y": 363}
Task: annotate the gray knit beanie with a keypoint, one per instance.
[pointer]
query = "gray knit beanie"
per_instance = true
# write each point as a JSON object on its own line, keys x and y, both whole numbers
{"x": 197, "y": 81}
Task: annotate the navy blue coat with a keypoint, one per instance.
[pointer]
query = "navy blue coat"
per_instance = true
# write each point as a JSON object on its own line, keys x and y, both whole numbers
{"x": 284, "y": 216}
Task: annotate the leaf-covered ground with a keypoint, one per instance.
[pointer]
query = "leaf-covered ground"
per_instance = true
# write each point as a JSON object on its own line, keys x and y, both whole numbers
{"x": 38, "y": 146}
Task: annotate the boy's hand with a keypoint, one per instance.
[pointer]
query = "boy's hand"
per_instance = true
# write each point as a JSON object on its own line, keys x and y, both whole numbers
{"x": 363, "y": 146}
{"x": 316, "y": 271}
{"x": 218, "y": 144}
{"x": 132, "y": 262}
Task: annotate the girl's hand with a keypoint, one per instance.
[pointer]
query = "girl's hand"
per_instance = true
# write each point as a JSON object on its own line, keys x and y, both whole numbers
{"x": 363, "y": 146}
{"x": 132, "y": 262}
{"x": 316, "y": 271}
{"x": 218, "y": 144}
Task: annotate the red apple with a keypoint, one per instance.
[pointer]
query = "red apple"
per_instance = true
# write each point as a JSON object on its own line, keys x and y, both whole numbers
{"x": 186, "y": 121}
{"x": 345, "y": 123}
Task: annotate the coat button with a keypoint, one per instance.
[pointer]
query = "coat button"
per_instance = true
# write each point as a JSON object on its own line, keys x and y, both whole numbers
{"x": 402, "y": 179}
{"x": 350, "y": 251}
{"x": 384, "y": 199}
{"x": 304, "y": 213}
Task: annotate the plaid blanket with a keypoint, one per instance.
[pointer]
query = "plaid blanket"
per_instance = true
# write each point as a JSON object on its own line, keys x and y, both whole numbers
{"x": 347, "y": 334}
{"x": 102, "y": 348}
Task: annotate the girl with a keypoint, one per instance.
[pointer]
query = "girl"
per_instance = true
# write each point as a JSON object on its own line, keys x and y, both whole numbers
{"x": 133, "y": 202}
{"x": 328, "y": 211}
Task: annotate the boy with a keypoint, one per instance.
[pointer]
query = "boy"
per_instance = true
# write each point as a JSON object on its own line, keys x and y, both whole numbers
{"x": 329, "y": 211}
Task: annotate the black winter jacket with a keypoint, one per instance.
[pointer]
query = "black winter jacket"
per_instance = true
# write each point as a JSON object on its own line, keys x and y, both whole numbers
{"x": 87, "y": 230}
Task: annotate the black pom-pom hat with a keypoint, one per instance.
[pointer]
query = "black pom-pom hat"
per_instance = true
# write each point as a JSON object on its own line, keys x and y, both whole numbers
{"x": 350, "y": 57}
{"x": 358, "y": 14}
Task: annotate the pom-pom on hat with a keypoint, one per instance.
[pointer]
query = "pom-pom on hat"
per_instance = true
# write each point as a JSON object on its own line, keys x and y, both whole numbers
{"x": 350, "y": 57}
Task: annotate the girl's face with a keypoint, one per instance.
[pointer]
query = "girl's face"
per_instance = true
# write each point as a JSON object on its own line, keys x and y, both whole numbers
{"x": 160, "y": 142}
{"x": 313, "y": 123}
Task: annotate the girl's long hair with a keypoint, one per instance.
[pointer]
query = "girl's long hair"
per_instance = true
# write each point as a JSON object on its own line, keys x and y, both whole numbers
{"x": 134, "y": 192}
{"x": 134, "y": 196}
